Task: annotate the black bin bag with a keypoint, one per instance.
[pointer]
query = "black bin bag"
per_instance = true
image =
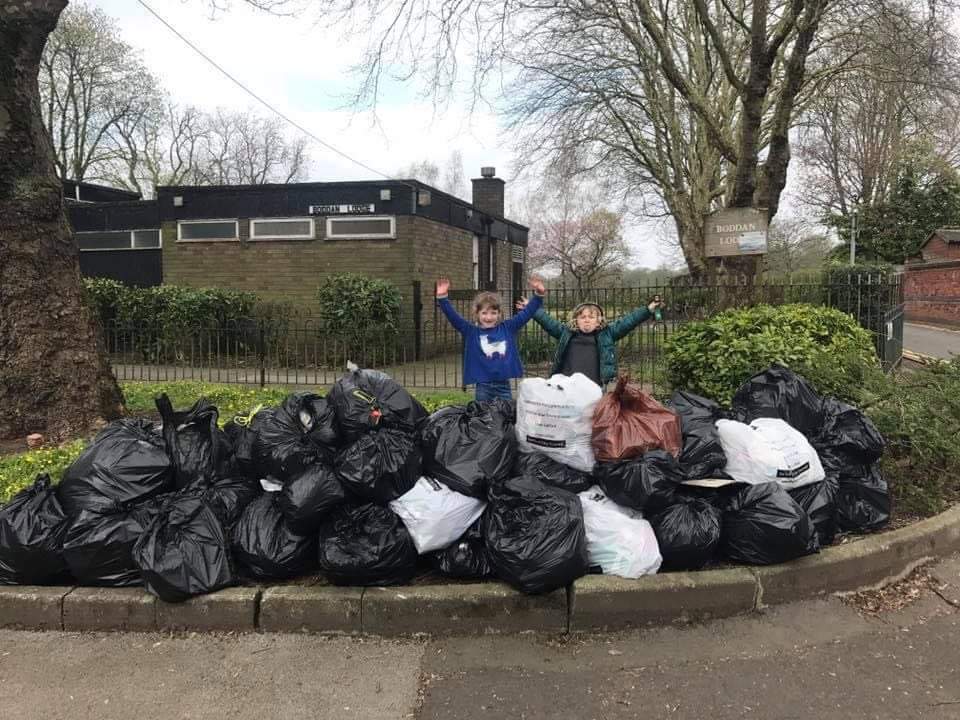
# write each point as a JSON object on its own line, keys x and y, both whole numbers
{"x": 780, "y": 393}
{"x": 98, "y": 547}
{"x": 688, "y": 533}
{"x": 290, "y": 438}
{"x": 549, "y": 471}
{"x": 241, "y": 436}
{"x": 32, "y": 528}
{"x": 266, "y": 548}
{"x": 125, "y": 464}
{"x": 380, "y": 466}
{"x": 848, "y": 439}
{"x": 702, "y": 454}
{"x": 534, "y": 534}
{"x": 647, "y": 483}
{"x": 819, "y": 500}
{"x": 467, "y": 558}
{"x": 229, "y": 497}
{"x": 308, "y": 496}
{"x": 185, "y": 551}
{"x": 466, "y": 448}
{"x": 863, "y": 500}
{"x": 198, "y": 449}
{"x": 365, "y": 400}
{"x": 763, "y": 525}
{"x": 366, "y": 545}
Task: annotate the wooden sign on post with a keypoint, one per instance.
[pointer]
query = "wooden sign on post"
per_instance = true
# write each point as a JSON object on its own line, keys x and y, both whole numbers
{"x": 736, "y": 231}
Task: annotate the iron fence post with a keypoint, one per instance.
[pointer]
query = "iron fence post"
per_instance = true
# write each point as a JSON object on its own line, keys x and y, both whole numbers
{"x": 417, "y": 321}
{"x": 262, "y": 352}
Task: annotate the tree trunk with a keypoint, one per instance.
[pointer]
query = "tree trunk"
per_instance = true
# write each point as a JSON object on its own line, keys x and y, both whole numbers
{"x": 54, "y": 374}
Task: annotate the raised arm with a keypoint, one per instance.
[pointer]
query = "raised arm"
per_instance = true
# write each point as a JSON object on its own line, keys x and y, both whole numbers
{"x": 460, "y": 324}
{"x": 527, "y": 308}
{"x": 628, "y": 322}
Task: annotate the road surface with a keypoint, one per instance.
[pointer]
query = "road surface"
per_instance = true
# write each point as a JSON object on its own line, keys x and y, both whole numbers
{"x": 819, "y": 659}
{"x": 930, "y": 340}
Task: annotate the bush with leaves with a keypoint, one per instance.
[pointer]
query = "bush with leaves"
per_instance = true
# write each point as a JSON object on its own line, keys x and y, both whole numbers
{"x": 355, "y": 305}
{"x": 713, "y": 357}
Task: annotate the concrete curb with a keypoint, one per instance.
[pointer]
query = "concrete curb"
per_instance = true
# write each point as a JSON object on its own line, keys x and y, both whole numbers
{"x": 595, "y": 602}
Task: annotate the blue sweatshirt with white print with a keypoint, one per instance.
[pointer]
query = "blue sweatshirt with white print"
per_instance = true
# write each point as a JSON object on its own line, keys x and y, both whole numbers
{"x": 490, "y": 354}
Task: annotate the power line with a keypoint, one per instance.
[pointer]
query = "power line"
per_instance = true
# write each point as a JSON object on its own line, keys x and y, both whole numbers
{"x": 259, "y": 99}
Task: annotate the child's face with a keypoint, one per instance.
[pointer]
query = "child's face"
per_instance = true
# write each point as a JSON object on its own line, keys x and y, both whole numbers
{"x": 588, "y": 320}
{"x": 488, "y": 317}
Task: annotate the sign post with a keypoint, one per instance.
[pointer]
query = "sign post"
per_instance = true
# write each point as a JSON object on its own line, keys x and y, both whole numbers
{"x": 736, "y": 231}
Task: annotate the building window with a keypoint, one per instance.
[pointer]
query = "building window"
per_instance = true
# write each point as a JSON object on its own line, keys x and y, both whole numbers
{"x": 118, "y": 240}
{"x": 366, "y": 228}
{"x": 207, "y": 230}
{"x": 281, "y": 229}
{"x": 476, "y": 263}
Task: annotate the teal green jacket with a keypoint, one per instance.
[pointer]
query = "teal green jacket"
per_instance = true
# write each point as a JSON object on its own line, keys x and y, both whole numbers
{"x": 606, "y": 339}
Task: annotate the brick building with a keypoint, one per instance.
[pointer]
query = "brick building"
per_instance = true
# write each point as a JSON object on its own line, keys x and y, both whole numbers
{"x": 279, "y": 240}
{"x": 932, "y": 280}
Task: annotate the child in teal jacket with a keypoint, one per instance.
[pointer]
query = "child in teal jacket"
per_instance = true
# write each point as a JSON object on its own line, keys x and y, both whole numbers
{"x": 588, "y": 344}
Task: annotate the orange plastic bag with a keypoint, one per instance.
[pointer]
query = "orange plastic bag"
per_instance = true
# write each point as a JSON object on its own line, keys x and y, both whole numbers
{"x": 628, "y": 422}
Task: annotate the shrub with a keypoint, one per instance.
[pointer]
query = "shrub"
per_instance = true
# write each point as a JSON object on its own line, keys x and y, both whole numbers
{"x": 353, "y": 305}
{"x": 102, "y": 295}
{"x": 715, "y": 356}
{"x": 918, "y": 413}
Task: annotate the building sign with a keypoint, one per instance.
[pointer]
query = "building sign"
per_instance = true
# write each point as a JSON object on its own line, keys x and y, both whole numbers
{"x": 736, "y": 231}
{"x": 357, "y": 209}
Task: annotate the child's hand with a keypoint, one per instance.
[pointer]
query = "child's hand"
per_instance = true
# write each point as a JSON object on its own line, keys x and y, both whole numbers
{"x": 443, "y": 287}
{"x": 537, "y": 284}
{"x": 521, "y": 304}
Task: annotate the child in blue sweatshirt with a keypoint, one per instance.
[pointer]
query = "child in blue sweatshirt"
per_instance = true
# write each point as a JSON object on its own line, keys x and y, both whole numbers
{"x": 490, "y": 355}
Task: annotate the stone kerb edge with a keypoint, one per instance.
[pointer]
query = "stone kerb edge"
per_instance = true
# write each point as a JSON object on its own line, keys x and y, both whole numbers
{"x": 595, "y": 602}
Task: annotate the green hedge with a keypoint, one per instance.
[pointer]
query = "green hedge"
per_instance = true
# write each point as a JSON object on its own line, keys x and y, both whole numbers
{"x": 713, "y": 357}
{"x": 169, "y": 306}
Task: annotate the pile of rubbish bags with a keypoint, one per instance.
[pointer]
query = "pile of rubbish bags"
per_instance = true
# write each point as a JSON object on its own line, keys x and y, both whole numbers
{"x": 367, "y": 488}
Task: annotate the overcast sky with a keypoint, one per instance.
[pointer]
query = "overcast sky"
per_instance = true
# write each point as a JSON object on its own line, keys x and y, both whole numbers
{"x": 304, "y": 71}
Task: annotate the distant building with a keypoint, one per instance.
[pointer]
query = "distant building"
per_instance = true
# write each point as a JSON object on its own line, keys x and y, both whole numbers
{"x": 279, "y": 240}
{"x": 932, "y": 280}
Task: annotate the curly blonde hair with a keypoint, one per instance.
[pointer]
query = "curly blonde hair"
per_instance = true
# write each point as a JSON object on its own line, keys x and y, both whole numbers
{"x": 579, "y": 310}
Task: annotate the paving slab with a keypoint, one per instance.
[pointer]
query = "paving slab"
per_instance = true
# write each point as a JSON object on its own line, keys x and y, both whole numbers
{"x": 230, "y": 609}
{"x": 295, "y": 608}
{"x": 614, "y": 603}
{"x": 109, "y": 609}
{"x": 34, "y": 607}
{"x": 464, "y": 609}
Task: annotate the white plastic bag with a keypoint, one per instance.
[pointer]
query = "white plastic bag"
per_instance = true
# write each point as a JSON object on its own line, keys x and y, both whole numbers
{"x": 435, "y": 515}
{"x": 768, "y": 450}
{"x": 619, "y": 540}
{"x": 555, "y": 417}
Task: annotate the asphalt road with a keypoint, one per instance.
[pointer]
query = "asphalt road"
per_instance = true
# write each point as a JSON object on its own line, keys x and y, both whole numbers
{"x": 818, "y": 659}
{"x": 929, "y": 340}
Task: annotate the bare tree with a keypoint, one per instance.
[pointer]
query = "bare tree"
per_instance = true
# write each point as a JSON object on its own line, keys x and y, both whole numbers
{"x": 245, "y": 149}
{"x": 454, "y": 178}
{"x": 54, "y": 374}
{"x": 689, "y": 104}
{"x": 91, "y": 82}
{"x": 572, "y": 233}
{"x": 426, "y": 171}
{"x": 795, "y": 244}
{"x": 901, "y": 86}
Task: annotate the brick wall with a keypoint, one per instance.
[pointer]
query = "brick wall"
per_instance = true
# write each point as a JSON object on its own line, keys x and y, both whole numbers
{"x": 285, "y": 269}
{"x": 932, "y": 292}
{"x": 937, "y": 249}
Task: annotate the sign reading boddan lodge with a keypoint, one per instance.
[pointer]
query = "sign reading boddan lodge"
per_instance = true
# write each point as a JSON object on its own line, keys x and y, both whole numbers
{"x": 736, "y": 231}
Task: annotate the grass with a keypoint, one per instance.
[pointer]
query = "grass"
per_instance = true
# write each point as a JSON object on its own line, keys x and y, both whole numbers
{"x": 19, "y": 470}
